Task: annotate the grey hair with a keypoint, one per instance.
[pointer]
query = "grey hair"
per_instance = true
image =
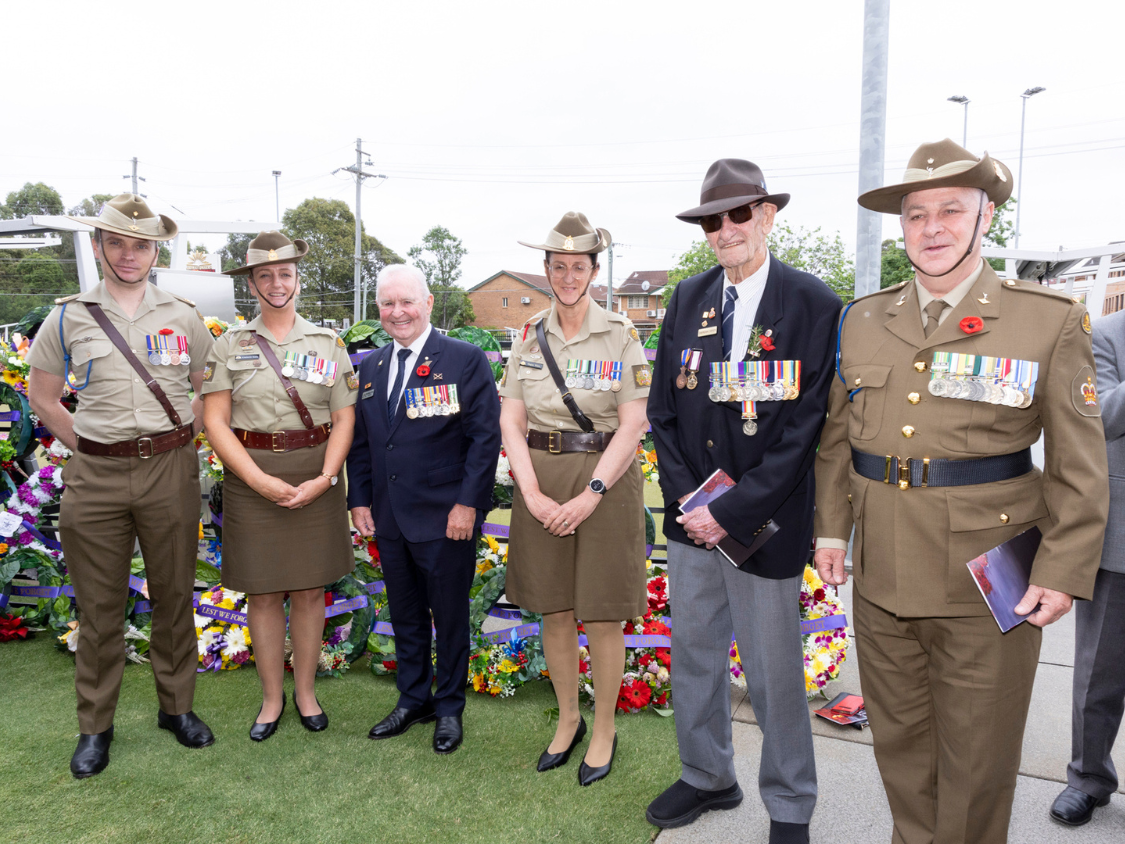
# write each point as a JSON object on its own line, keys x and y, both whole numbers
{"x": 392, "y": 271}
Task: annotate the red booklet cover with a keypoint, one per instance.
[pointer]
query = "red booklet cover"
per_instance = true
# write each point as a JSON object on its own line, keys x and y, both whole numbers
{"x": 712, "y": 489}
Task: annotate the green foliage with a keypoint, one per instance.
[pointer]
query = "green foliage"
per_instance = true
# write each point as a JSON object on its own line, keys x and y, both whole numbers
{"x": 485, "y": 341}
{"x": 91, "y": 206}
{"x": 1002, "y": 229}
{"x": 439, "y": 258}
{"x": 654, "y": 339}
{"x": 698, "y": 259}
{"x": 207, "y": 573}
{"x": 368, "y": 332}
{"x": 894, "y": 265}
{"x": 823, "y": 256}
{"x": 31, "y": 199}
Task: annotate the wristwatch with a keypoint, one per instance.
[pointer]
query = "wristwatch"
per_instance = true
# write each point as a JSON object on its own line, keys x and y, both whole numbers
{"x": 597, "y": 485}
{"x": 331, "y": 478}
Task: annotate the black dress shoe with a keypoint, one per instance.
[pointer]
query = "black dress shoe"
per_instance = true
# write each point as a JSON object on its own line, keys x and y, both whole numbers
{"x": 681, "y": 803}
{"x": 788, "y": 833}
{"x": 549, "y": 760}
{"x": 92, "y": 754}
{"x": 448, "y": 734}
{"x": 1074, "y": 807}
{"x": 402, "y": 719}
{"x": 312, "y": 723}
{"x": 261, "y": 732}
{"x": 588, "y": 775}
{"x": 189, "y": 729}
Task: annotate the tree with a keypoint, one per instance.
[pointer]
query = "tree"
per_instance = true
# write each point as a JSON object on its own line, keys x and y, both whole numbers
{"x": 31, "y": 199}
{"x": 1000, "y": 231}
{"x": 823, "y": 256}
{"x": 439, "y": 258}
{"x": 34, "y": 280}
{"x": 699, "y": 258}
{"x": 91, "y": 206}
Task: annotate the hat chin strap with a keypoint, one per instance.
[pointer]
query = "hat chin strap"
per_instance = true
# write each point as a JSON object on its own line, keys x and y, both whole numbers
{"x": 267, "y": 301}
{"x": 968, "y": 252}
{"x": 107, "y": 268}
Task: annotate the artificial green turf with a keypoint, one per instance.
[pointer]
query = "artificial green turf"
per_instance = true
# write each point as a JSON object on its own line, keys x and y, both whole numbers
{"x": 336, "y": 786}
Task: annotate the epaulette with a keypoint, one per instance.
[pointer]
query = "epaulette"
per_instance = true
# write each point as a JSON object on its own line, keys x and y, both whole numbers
{"x": 182, "y": 299}
{"x": 1034, "y": 287}
{"x": 890, "y": 289}
{"x": 63, "y": 299}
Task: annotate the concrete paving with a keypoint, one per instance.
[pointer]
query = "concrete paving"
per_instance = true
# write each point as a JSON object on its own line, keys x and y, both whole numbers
{"x": 852, "y": 806}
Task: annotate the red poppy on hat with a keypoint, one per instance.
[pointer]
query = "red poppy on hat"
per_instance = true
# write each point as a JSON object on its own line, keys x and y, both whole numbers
{"x": 971, "y": 324}
{"x": 422, "y": 371}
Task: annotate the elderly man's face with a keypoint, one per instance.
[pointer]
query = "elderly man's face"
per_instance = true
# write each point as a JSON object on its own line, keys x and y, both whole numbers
{"x": 938, "y": 226}
{"x": 403, "y": 309}
{"x": 742, "y": 248}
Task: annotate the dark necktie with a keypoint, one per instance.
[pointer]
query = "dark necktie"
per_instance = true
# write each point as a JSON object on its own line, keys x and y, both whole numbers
{"x": 396, "y": 388}
{"x": 728, "y": 320}
{"x": 933, "y": 314}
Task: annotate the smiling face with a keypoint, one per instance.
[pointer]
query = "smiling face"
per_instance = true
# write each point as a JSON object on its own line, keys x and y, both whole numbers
{"x": 741, "y": 248}
{"x": 570, "y": 275}
{"x": 274, "y": 286}
{"x": 404, "y": 310}
{"x": 126, "y": 259}
{"x": 937, "y": 227}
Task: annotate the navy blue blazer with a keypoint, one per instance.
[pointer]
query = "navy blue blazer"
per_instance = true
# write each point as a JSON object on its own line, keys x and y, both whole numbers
{"x": 411, "y": 472}
{"x": 695, "y": 436}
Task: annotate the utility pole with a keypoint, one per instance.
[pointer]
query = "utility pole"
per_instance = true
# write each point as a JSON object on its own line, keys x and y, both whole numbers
{"x": 1026, "y": 95}
{"x": 360, "y": 174}
{"x": 609, "y": 284}
{"x": 872, "y": 141}
{"x": 277, "y": 194}
{"x": 136, "y": 178}
{"x": 963, "y": 100}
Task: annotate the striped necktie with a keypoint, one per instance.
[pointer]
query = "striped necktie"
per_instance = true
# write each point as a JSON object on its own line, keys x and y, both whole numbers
{"x": 728, "y": 320}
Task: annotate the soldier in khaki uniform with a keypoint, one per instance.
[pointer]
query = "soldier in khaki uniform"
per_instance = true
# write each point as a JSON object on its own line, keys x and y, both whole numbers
{"x": 135, "y": 473}
{"x": 577, "y": 536}
{"x": 931, "y": 482}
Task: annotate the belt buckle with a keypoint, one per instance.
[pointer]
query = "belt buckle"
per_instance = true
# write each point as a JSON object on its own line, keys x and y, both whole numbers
{"x": 141, "y": 449}
{"x": 904, "y": 473}
{"x": 550, "y": 443}
{"x": 277, "y": 441}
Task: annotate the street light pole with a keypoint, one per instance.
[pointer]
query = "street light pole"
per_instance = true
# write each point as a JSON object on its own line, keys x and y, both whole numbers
{"x": 1026, "y": 95}
{"x": 963, "y": 100}
{"x": 277, "y": 194}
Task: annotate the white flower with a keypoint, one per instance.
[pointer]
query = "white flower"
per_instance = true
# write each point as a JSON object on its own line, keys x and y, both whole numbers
{"x": 206, "y": 639}
{"x": 502, "y": 470}
{"x": 57, "y": 449}
{"x": 236, "y": 642}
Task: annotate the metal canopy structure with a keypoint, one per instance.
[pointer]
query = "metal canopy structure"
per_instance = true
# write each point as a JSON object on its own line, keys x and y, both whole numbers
{"x": 1036, "y": 265}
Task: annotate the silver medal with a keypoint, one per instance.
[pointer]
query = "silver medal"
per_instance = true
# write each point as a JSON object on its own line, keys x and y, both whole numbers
{"x": 165, "y": 359}
{"x": 154, "y": 358}
{"x": 287, "y": 371}
{"x": 184, "y": 359}
{"x": 717, "y": 394}
{"x": 571, "y": 382}
{"x": 749, "y": 427}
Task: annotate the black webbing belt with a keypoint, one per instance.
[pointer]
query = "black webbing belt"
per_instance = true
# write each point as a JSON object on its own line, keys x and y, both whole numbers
{"x": 907, "y": 472}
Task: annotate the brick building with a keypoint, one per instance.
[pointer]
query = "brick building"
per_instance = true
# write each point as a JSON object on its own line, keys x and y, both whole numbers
{"x": 508, "y": 299}
{"x": 638, "y": 297}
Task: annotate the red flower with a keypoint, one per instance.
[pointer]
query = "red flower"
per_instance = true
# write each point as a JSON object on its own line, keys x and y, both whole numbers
{"x": 657, "y": 586}
{"x": 663, "y": 699}
{"x": 639, "y": 694}
{"x": 373, "y": 551}
{"x": 583, "y": 666}
{"x": 12, "y": 627}
{"x": 766, "y": 343}
{"x": 422, "y": 370}
{"x": 390, "y": 665}
{"x": 818, "y": 595}
{"x": 645, "y": 659}
{"x": 327, "y": 599}
{"x": 166, "y": 331}
{"x": 657, "y": 628}
{"x": 971, "y": 324}
{"x": 665, "y": 656}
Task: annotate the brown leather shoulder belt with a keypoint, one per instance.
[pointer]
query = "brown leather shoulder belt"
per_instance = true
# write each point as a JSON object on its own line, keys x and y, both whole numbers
{"x": 283, "y": 440}
{"x": 143, "y": 447}
{"x": 564, "y": 442}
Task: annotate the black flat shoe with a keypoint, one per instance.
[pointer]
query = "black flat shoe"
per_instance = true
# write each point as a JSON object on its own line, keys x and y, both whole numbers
{"x": 588, "y": 775}
{"x": 549, "y": 760}
{"x": 92, "y": 754}
{"x": 681, "y": 803}
{"x": 402, "y": 719}
{"x": 312, "y": 723}
{"x": 448, "y": 734}
{"x": 189, "y": 729}
{"x": 261, "y": 732}
{"x": 1074, "y": 807}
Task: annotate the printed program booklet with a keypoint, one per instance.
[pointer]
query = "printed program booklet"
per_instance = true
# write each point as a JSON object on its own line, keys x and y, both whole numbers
{"x": 845, "y": 709}
{"x": 1003, "y": 575}
{"x": 715, "y": 486}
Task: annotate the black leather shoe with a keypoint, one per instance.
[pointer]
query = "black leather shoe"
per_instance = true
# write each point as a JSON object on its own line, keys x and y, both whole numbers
{"x": 92, "y": 754}
{"x": 588, "y": 775}
{"x": 402, "y": 719}
{"x": 1074, "y": 807}
{"x": 680, "y": 804}
{"x": 312, "y": 723}
{"x": 189, "y": 729}
{"x": 788, "y": 833}
{"x": 549, "y": 760}
{"x": 261, "y": 732}
{"x": 448, "y": 734}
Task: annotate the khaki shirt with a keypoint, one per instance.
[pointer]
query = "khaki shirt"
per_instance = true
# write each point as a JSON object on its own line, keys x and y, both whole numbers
{"x": 116, "y": 405}
{"x": 258, "y": 400}
{"x": 603, "y": 337}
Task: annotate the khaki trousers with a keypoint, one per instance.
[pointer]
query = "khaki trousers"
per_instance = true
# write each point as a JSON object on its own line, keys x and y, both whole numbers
{"x": 108, "y": 504}
{"x": 947, "y": 699}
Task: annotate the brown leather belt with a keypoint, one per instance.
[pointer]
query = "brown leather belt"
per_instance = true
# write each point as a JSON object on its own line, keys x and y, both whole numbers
{"x": 563, "y": 442}
{"x": 143, "y": 447}
{"x": 284, "y": 440}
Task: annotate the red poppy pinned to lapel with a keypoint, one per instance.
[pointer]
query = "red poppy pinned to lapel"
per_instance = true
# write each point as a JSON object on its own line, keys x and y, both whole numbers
{"x": 971, "y": 324}
{"x": 423, "y": 368}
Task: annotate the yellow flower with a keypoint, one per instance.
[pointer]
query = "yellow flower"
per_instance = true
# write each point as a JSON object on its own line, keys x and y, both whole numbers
{"x": 226, "y": 604}
{"x": 493, "y": 545}
{"x": 201, "y": 530}
{"x": 483, "y": 566}
{"x": 3, "y": 547}
{"x": 650, "y": 456}
{"x": 509, "y": 667}
{"x": 494, "y": 690}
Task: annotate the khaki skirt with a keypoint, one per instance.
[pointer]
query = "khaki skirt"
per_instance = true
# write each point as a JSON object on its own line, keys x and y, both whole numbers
{"x": 268, "y": 548}
{"x": 599, "y": 572}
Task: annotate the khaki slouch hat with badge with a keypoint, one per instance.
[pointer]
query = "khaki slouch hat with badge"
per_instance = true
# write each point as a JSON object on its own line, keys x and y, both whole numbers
{"x": 129, "y": 214}
{"x": 944, "y": 164}
{"x": 271, "y": 248}
{"x": 573, "y": 233}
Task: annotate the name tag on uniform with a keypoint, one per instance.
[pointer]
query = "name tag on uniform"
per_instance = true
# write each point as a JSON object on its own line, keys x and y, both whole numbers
{"x": 367, "y": 394}
{"x": 707, "y": 332}
{"x": 531, "y": 364}
{"x": 246, "y": 357}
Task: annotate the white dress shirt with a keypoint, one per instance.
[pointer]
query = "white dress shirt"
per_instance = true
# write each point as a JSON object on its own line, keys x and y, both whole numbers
{"x": 750, "y": 291}
{"x": 411, "y": 361}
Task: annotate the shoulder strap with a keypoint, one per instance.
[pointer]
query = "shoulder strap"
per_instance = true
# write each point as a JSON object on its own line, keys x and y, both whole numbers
{"x": 115, "y": 337}
{"x": 583, "y": 422}
{"x": 271, "y": 359}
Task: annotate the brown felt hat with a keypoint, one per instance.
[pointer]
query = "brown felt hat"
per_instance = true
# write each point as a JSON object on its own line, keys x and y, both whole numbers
{"x": 271, "y": 248}
{"x": 944, "y": 164}
{"x": 729, "y": 183}
{"x": 129, "y": 214}
{"x": 573, "y": 233}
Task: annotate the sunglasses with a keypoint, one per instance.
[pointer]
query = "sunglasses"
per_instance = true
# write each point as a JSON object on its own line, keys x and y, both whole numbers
{"x": 713, "y": 222}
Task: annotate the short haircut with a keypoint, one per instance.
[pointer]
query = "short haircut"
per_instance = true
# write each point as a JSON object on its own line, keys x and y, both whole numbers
{"x": 392, "y": 271}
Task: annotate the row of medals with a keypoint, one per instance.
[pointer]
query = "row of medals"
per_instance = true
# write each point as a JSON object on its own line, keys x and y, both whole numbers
{"x": 169, "y": 358}
{"x": 753, "y": 391}
{"x": 953, "y": 388}
{"x": 302, "y": 373}
{"x": 427, "y": 410}
{"x": 588, "y": 382}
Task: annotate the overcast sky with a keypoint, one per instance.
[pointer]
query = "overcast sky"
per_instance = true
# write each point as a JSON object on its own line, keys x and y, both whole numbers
{"x": 494, "y": 118}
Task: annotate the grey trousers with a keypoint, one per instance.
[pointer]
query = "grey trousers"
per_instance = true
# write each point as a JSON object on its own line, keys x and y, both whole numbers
{"x": 710, "y": 599}
{"x": 1099, "y": 686}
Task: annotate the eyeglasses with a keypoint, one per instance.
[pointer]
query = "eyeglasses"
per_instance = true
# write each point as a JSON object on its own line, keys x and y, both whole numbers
{"x": 561, "y": 270}
{"x": 713, "y": 222}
